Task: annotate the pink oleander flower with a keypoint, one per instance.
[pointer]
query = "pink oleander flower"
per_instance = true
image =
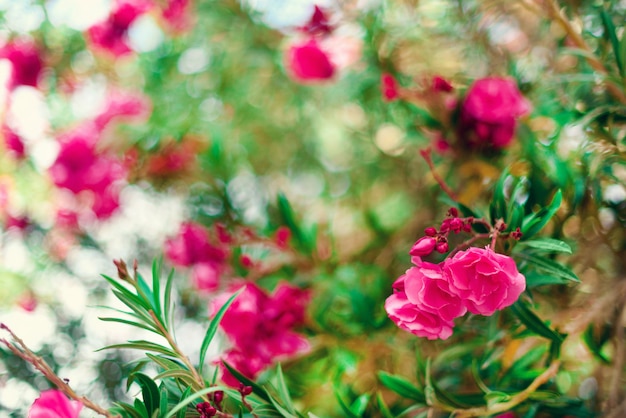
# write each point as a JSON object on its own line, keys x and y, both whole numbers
{"x": 260, "y": 327}
{"x": 308, "y": 62}
{"x": 411, "y": 318}
{"x": 79, "y": 166}
{"x": 389, "y": 87}
{"x": 111, "y": 35}
{"x": 205, "y": 276}
{"x": 54, "y": 404}
{"x": 319, "y": 23}
{"x": 485, "y": 280}
{"x": 427, "y": 288}
{"x": 489, "y": 112}
{"x": 26, "y": 64}
{"x": 193, "y": 246}
{"x": 121, "y": 104}
{"x": 177, "y": 15}
{"x": 13, "y": 143}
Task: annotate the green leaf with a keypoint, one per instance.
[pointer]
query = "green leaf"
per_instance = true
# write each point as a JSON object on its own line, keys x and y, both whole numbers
{"x": 127, "y": 322}
{"x": 167, "y": 297}
{"x": 142, "y": 345}
{"x": 547, "y": 244}
{"x": 609, "y": 30}
{"x": 140, "y": 407}
{"x": 156, "y": 289}
{"x": 534, "y": 323}
{"x": 346, "y": 410}
{"x": 183, "y": 375}
{"x": 129, "y": 409}
{"x": 535, "y": 279}
{"x": 130, "y": 299}
{"x": 401, "y": 386}
{"x": 149, "y": 391}
{"x": 185, "y": 395}
{"x": 535, "y": 222}
{"x": 210, "y": 333}
{"x": 360, "y": 404}
{"x": 283, "y": 392}
{"x": 256, "y": 389}
{"x": 382, "y": 407}
{"x": 163, "y": 396}
{"x": 548, "y": 266}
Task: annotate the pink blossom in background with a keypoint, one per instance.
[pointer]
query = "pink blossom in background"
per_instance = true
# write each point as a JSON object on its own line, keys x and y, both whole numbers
{"x": 409, "y": 317}
{"x": 123, "y": 105}
{"x": 177, "y": 15}
{"x": 25, "y": 61}
{"x": 307, "y": 61}
{"x": 192, "y": 245}
{"x": 489, "y": 112}
{"x": 319, "y": 24}
{"x": 260, "y": 327}
{"x": 111, "y": 35}
{"x": 54, "y": 404}
{"x": 13, "y": 143}
{"x": 205, "y": 276}
{"x": 80, "y": 166}
{"x": 485, "y": 280}
{"x": 389, "y": 87}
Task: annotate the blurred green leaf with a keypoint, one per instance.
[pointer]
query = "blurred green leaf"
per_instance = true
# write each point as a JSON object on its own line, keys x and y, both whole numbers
{"x": 548, "y": 266}
{"x": 547, "y": 244}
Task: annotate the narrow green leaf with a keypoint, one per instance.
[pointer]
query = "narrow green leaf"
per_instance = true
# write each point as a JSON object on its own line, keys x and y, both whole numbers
{"x": 145, "y": 292}
{"x": 127, "y": 322}
{"x": 142, "y": 345}
{"x": 281, "y": 410}
{"x": 210, "y": 333}
{"x": 533, "y": 223}
{"x": 548, "y": 266}
{"x": 129, "y": 409}
{"x": 609, "y": 29}
{"x": 360, "y": 404}
{"x": 535, "y": 279}
{"x": 163, "y": 396}
{"x": 140, "y": 311}
{"x": 547, "y": 244}
{"x": 156, "y": 288}
{"x": 129, "y": 296}
{"x": 149, "y": 392}
{"x": 283, "y": 392}
{"x": 167, "y": 297}
{"x": 256, "y": 389}
{"x": 534, "y": 323}
{"x": 141, "y": 408}
{"x": 382, "y": 407}
{"x": 185, "y": 395}
{"x": 346, "y": 410}
{"x": 401, "y": 386}
{"x": 183, "y": 375}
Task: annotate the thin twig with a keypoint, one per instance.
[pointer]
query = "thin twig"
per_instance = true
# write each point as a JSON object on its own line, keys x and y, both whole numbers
{"x": 554, "y": 11}
{"x": 426, "y": 155}
{"x": 515, "y": 400}
{"x": 22, "y": 351}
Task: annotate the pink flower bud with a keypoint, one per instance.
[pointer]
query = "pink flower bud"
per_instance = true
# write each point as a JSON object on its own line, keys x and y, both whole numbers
{"x": 442, "y": 247}
{"x": 423, "y": 246}
{"x": 440, "y": 84}
{"x": 430, "y": 231}
{"x": 389, "y": 87}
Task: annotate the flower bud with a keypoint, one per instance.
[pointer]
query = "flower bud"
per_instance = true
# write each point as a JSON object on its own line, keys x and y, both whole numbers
{"x": 423, "y": 246}
{"x": 430, "y": 231}
{"x": 442, "y": 247}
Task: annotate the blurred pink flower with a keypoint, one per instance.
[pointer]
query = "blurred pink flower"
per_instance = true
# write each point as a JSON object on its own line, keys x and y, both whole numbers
{"x": 485, "y": 280}
{"x": 307, "y": 61}
{"x": 490, "y": 111}
{"x": 205, "y": 276}
{"x": 192, "y": 246}
{"x": 54, "y": 404}
{"x": 177, "y": 15}
{"x": 389, "y": 87}
{"x": 25, "y": 61}
{"x": 80, "y": 166}
{"x": 121, "y": 104}
{"x": 409, "y": 317}
{"x": 111, "y": 35}
{"x": 319, "y": 23}
{"x": 260, "y": 326}
{"x": 13, "y": 143}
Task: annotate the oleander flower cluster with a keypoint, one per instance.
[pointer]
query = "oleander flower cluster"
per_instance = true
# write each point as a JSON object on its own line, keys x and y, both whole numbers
{"x": 429, "y": 297}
